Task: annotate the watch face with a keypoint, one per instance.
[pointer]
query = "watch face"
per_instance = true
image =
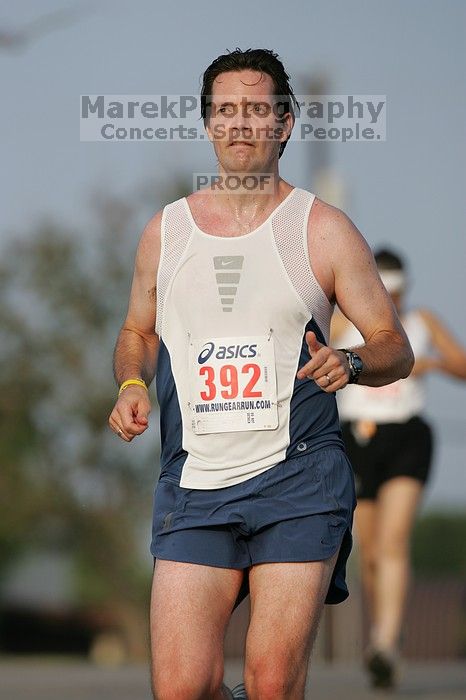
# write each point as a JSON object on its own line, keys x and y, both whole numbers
{"x": 356, "y": 367}
{"x": 357, "y": 363}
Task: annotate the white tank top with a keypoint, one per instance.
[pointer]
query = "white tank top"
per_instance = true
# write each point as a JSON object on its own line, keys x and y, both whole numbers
{"x": 393, "y": 403}
{"x": 232, "y": 313}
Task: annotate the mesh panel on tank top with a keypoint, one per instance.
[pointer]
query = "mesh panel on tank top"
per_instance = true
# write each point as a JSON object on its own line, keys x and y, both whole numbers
{"x": 289, "y": 226}
{"x": 176, "y": 230}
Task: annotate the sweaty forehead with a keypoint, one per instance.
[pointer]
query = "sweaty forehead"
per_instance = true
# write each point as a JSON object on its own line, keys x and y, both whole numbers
{"x": 245, "y": 80}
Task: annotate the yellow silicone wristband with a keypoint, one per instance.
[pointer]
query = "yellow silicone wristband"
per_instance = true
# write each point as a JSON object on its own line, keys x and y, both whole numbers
{"x": 129, "y": 382}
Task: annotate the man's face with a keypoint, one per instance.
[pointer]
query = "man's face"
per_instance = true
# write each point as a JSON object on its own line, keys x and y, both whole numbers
{"x": 245, "y": 124}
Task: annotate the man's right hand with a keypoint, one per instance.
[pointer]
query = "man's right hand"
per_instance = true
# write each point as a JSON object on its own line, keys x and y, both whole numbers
{"x": 130, "y": 416}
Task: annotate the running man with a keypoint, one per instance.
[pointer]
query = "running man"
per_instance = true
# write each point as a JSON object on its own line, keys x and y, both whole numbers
{"x": 389, "y": 444}
{"x": 230, "y": 308}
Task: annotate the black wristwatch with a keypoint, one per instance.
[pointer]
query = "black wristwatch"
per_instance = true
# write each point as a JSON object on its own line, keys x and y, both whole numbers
{"x": 355, "y": 364}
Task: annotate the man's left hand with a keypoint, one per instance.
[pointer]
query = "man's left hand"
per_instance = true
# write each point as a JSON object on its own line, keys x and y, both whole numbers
{"x": 327, "y": 367}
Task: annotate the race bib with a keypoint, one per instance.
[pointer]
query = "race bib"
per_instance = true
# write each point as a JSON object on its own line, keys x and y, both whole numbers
{"x": 232, "y": 384}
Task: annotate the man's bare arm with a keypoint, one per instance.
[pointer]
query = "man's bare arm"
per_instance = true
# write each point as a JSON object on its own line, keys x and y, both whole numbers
{"x": 136, "y": 349}
{"x": 360, "y": 294}
{"x": 345, "y": 268}
{"x": 137, "y": 345}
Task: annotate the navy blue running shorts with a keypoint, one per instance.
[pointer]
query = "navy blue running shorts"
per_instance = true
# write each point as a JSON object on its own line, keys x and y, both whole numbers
{"x": 299, "y": 510}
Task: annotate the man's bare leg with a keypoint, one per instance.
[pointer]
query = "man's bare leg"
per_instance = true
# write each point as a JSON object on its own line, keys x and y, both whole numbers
{"x": 190, "y": 609}
{"x": 286, "y": 604}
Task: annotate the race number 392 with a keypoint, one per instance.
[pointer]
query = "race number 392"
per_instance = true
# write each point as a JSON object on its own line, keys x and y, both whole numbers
{"x": 230, "y": 381}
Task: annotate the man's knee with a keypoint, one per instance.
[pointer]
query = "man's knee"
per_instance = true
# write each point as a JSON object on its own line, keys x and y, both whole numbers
{"x": 271, "y": 677}
{"x": 187, "y": 683}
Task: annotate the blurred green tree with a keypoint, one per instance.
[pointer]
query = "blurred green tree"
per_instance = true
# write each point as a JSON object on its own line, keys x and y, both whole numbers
{"x": 439, "y": 545}
{"x": 65, "y": 480}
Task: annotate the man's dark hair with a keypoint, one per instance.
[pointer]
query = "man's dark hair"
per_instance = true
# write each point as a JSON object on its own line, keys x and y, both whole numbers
{"x": 388, "y": 260}
{"x": 262, "y": 60}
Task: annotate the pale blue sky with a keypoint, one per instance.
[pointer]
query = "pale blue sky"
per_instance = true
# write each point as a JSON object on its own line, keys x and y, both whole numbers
{"x": 407, "y": 192}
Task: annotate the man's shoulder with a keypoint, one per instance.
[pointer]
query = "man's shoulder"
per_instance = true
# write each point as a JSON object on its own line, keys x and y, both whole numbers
{"x": 334, "y": 242}
{"x": 329, "y": 224}
{"x": 327, "y": 216}
{"x": 153, "y": 225}
{"x": 151, "y": 234}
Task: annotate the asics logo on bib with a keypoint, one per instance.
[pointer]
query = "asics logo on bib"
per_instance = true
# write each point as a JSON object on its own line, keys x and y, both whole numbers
{"x": 226, "y": 352}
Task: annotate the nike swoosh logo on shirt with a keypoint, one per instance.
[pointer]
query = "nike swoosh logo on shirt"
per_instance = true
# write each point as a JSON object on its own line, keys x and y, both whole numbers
{"x": 230, "y": 261}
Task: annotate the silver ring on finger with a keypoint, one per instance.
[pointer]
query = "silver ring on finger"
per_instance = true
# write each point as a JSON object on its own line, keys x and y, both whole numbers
{"x": 329, "y": 381}
{"x": 120, "y": 432}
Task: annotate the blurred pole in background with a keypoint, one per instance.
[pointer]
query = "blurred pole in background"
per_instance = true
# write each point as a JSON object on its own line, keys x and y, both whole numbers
{"x": 324, "y": 178}
{"x": 327, "y": 184}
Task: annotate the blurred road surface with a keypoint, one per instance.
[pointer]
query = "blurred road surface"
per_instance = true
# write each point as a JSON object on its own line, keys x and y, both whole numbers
{"x": 74, "y": 680}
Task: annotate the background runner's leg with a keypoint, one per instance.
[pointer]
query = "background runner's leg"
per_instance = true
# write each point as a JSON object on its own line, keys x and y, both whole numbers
{"x": 397, "y": 502}
{"x": 365, "y": 517}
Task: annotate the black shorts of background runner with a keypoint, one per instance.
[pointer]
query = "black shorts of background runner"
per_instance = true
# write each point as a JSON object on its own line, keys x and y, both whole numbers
{"x": 396, "y": 449}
